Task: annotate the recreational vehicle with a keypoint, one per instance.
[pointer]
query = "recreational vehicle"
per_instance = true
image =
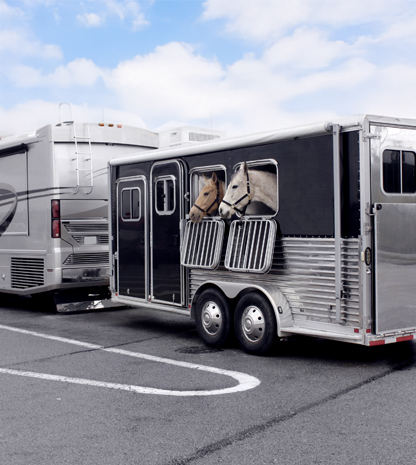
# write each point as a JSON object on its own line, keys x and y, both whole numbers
{"x": 53, "y": 207}
{"x": 310, "y": 231}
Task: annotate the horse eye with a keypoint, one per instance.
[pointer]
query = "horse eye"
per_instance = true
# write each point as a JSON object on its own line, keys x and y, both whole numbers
{"x": 235, "y": 187}
{"x": 206, "y": 193}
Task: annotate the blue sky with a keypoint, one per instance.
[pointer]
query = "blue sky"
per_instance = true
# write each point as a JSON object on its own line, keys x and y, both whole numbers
{"x": 238, "y": 65}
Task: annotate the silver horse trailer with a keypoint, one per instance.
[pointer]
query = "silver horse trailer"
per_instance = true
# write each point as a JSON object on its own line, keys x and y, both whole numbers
{"x": 335, "y": 258}
{"x": 53, "y": 208}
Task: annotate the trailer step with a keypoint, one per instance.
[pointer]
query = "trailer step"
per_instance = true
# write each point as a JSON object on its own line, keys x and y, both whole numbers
{"x": 322, "y": 333}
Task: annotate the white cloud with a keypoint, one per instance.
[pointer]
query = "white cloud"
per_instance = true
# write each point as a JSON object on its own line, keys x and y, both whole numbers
{"x": 306, "y": 49}
{"x": 21, "y": 45}
{"x": 266, "y": 20}
{"x": 90, "y": 19}
{"x": 78, "y": 73}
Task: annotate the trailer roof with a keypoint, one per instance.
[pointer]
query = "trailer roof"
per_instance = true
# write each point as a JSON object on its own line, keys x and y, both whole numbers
{"x": 349, "y": 122}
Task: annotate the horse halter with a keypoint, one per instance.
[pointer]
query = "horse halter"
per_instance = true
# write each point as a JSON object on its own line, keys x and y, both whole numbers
{"x": 247, "y": 194}
{"x": 217, "y": 198}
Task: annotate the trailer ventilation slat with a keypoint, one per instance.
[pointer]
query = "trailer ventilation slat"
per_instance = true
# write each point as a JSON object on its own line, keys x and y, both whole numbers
{"x": 27, "y": 272}
{"x": 250, "y": 245}
{"x": 88, "y": 259}
{"x": 202, "y": 244}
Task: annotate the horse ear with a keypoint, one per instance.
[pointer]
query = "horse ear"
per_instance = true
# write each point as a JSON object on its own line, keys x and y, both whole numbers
{"x": 205, "y": 178}
{"x": 214, "y": 177}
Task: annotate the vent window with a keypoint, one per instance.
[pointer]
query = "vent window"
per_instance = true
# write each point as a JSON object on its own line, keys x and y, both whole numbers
{"x": 399, "y": 175}
{"x": 130, "y": 204}
{"x": 165, "y": 199}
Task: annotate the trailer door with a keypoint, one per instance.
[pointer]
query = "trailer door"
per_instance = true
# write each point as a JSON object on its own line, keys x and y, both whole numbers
{"x": 167, "y": 211}
{"x": 395, "y": 246}
{"x": 132, "y": 238}
{"x": 393, "y": 190}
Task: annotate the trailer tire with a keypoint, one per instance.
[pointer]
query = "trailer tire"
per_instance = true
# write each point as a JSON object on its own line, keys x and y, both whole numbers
{"x": 213, "y": 318}
{"x": 255, "y": 324}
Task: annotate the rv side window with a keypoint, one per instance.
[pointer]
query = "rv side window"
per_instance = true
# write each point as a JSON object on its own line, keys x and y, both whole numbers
{"x": 399, "y": 175}
{"x": 165, "y": 201}
{"x": 130, "y": 204}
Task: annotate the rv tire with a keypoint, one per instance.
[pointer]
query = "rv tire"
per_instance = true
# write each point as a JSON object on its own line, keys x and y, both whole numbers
{"x": 255, "y": 324}
{"x": 213, "y": 318}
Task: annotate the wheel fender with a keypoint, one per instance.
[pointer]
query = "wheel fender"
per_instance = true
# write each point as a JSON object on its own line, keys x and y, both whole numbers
{"x": 277, "y": 299}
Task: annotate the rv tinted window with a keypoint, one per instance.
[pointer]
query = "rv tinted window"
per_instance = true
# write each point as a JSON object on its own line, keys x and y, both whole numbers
{"x": 130, "y": 204}
{"x": 399, "y": 175}
{"x": 165, "y": 201}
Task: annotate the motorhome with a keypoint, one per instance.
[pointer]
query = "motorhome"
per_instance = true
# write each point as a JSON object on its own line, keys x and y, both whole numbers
{"x": 318, "y": 241}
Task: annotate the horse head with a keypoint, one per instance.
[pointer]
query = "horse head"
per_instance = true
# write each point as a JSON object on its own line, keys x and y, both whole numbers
{"x": 208, "y": 200}
{"x": 238, "y": 195}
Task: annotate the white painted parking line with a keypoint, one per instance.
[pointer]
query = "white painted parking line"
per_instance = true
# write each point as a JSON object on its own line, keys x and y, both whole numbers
{"x": 245, "y": 382}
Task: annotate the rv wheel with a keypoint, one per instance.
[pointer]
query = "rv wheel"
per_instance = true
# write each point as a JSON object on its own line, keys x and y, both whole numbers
{"x": 213, "y": 318}
{"x": 255, "y": 324}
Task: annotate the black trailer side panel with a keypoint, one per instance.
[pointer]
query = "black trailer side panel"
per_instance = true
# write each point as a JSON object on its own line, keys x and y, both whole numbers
{"x": 306, "y": 186}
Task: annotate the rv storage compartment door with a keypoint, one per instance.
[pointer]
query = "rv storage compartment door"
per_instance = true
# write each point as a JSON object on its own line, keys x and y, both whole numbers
{"x": 395, "y": 266}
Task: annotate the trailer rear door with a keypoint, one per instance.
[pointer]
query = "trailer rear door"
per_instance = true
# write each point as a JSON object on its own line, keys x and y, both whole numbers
{"x": 393, "y": 191}
{"x": 395, "y": 245}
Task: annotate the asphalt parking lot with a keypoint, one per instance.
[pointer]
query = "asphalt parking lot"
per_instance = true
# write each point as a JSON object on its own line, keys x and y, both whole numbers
{"x": 134, "y": 386}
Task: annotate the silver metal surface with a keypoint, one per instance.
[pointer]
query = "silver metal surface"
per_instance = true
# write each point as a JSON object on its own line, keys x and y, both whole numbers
{"x": 250, "y": 245}
{"x": 202, "y": 244}
{"x": 253, "y": 323}
{"x": 304, "y": 271}
{"x": 212, "y": 319}
{"x": 337, "y": 220}
{"x": 395, "y": 267}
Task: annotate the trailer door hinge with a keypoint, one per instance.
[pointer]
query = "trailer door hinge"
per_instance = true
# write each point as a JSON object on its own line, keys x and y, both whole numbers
{"x": 367, "y": 136}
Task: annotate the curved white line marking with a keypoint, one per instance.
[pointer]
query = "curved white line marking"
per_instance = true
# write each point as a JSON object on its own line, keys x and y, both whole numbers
{"x": 245, "y": 381}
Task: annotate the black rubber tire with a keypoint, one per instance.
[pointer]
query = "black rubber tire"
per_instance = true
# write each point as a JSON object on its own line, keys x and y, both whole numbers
{"x": 213, "y": 318}
{"x": 255, "y": 324}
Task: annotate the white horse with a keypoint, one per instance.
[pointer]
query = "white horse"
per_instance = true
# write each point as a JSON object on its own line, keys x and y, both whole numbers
{"x": 249, "y": 186}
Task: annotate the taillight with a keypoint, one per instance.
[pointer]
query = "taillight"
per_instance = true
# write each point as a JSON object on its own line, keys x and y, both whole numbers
{"x": 56, "y": 218}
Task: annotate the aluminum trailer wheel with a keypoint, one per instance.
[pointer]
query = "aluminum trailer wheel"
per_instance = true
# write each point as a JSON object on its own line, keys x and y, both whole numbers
{"x": 213, "y": 318}
{"x": 255, "y": 324}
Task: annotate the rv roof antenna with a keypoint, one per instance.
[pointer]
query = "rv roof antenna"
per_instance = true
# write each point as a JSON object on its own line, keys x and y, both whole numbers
{"x": 70, "y": 121}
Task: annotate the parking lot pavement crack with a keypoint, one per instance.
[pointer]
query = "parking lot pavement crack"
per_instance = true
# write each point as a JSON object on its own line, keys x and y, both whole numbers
{"x": 254, "y": 430}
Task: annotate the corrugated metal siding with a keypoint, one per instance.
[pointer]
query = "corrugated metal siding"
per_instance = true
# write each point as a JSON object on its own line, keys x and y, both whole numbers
{"x": 304, "y": 270}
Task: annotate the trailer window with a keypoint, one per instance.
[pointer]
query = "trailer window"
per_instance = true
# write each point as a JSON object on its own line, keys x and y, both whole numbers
{"x": 130, "y": 204}
{"x": 200, "y": 177}
{"x": 165, "y": 200}
{"x": 399, "y": 175}
{"x": 267, "y": 172}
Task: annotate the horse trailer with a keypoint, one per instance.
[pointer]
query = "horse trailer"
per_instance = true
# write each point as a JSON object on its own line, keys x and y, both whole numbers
{"x": 315, "y": 235}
